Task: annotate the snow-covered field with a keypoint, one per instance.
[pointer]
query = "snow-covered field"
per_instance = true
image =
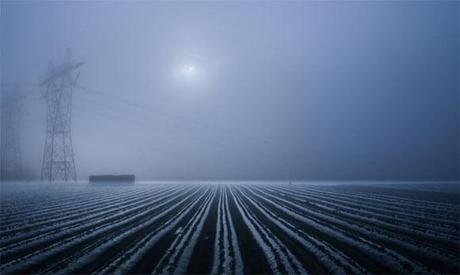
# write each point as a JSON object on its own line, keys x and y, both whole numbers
{"x": 228, "y": 228}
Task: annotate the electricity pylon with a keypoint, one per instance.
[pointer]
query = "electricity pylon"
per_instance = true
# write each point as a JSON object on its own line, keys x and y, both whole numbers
{"x": 10, "y": 153}
{"x": 58, "y": 157}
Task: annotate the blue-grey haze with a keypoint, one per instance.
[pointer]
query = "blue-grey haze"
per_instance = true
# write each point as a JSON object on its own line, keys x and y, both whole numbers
{"x": 282, "y": 90}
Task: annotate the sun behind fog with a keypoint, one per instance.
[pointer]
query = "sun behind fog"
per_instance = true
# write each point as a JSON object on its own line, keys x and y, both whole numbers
{"x": 189, "y": 70}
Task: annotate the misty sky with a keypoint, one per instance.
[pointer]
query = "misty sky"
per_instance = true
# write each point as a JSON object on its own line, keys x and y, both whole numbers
{"x": 245, "y": 90}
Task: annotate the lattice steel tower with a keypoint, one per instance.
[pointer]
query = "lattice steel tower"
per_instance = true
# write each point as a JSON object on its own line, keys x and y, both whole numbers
{"x": 58, "y": 157}
{"x": 10, "y": 153}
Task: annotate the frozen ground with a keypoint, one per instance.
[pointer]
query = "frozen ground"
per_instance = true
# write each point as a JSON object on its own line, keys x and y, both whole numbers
{"x": 230, "y": 228}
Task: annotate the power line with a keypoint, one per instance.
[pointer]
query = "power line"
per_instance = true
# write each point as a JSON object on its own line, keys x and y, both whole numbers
{"x": 173, "y": 117}
{"x": 145, "y": 122}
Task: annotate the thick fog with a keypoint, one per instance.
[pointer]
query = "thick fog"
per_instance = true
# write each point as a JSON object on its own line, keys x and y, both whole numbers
{"x": 244, "y": 90}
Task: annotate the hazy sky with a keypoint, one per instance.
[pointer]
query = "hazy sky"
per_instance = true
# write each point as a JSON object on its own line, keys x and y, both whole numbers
{"x": 246, "y": 90}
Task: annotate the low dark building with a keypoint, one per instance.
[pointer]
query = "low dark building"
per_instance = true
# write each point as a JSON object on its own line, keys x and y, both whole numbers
{"x": 112, "y": 179}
